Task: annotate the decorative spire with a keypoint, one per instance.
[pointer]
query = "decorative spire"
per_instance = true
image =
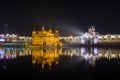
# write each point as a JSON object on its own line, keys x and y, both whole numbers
{"x": 50, "y": 30}
{"x": 56, "y": 30}
{"x": 43, "y": 28}
{"x": 33, "y": 32}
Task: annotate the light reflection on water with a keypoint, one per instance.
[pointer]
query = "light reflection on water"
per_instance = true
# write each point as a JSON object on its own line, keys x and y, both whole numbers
{"x": 52, "y": 61}
{"x": 91, "y": 54}
{"x": 11, "y": 53}
{"x": 48, "y": 56}
{"x": 45, "y": 56}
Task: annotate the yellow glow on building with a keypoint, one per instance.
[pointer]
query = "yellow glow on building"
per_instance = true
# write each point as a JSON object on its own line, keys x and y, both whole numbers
{"x": 46, "y": 38}
{"x": 45, "y": 56}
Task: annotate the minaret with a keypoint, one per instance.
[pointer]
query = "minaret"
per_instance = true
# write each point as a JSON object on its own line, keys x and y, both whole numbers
{"x": 56, "y": 31}
{"x": 33, "y": 32}
{"x": 43, "y": 28}
{"x": 93, "y": 28}
{"x": 50, "y": 30}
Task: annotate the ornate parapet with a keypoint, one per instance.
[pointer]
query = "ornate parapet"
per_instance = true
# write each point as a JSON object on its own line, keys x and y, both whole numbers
{"x": 46, "y": 38}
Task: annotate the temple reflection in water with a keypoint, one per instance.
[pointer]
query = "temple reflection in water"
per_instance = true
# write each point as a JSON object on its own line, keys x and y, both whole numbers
{"x": 63, "y": 62}
{"x": 49, "y": 56}
{"x": 45, "y": 56}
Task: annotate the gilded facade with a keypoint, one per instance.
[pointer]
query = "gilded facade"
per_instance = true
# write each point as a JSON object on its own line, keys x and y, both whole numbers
{"x": 46, "y": 38}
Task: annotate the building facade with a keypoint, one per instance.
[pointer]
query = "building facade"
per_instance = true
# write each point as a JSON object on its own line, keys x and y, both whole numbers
{"x": 92, "y": 37}
{"x": 46, "y": 38}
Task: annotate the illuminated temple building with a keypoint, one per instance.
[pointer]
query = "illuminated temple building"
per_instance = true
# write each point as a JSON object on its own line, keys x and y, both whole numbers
{"x": 49, "y": 38}
{"x": 46, "y": 38}
{"x": 92, "y": 37}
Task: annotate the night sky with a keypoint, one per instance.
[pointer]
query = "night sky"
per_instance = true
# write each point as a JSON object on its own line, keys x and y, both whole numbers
{"x": 70, "y": 17}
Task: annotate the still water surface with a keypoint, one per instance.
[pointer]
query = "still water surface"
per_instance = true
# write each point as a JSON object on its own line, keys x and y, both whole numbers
{"x": 60, "y": 64}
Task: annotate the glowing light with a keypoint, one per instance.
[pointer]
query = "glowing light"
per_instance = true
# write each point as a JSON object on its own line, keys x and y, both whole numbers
{"x": 95, "y": 40}
{"x": 82, "y": 41}
{"x": 95, "y": 51}
{"x": 1, "y": 56}
{"x": 2, "y": 35}
{"x": 82, "y": 50}
{"x": 86, "y": 35}
{"x": 86, "y": 56}
{"x": 2, "y": 51}
{"x": 2, "y": 40}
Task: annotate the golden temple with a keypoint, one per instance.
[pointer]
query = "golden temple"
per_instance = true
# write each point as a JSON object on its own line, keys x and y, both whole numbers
{"x": 46, "y": 38}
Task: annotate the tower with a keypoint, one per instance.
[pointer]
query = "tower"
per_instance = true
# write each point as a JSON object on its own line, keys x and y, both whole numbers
{"x": 93, "y": 28}
{"x": 43, "y": 28}
{"x": 56, "y": 32}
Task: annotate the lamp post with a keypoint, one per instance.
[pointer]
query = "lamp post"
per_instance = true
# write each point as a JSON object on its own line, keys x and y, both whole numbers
{"x": 5, "y": 28}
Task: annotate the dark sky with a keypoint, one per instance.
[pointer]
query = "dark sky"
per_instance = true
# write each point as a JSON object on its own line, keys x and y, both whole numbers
{"x": 71, "y": 17}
